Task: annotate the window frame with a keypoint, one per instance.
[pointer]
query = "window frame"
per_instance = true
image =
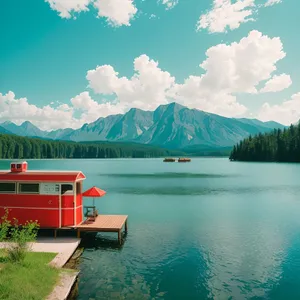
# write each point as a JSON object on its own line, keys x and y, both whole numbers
{"x": 10, "y": 192}
{"x": 28, "y": 193}
{"x": 73, "y": 190}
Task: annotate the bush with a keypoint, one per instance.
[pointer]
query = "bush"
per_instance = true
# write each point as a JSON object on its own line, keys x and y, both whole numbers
{"x": 20, "y": 236}
{"x": 4, "y": 226}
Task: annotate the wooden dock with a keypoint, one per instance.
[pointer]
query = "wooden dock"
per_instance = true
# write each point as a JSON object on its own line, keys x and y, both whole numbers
{"x": 104, "y": 223}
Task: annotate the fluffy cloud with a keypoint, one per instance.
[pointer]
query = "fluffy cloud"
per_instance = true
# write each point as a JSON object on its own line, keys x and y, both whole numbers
{"x": 272, "y": 2}
{"x": 50, "y": 117}
{"x": 117, "y": 12}
{"x": 277, "y": 83}
{"x": 66, "y": 8}
{"x": 146, "y": 89}
{"x": 169, "y": 3}
{"x": 229, "y": 70}
{"x": 229, "y": 14}
{"x": 92, "y": 110}
{"x": 225, "y": 14}
{"x": 286, "y": 113}
{"x": 19, "y": 110}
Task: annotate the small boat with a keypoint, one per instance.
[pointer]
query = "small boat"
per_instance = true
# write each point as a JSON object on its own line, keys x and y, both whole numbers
{"x": 182, "y": 159}
{"x": 169, "y": 160}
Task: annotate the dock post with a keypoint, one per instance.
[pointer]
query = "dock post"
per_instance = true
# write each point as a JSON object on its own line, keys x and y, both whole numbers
{"x": 78, "y": 233}
{"x": 119, "y": 237}
{"x": 126, "y": 226}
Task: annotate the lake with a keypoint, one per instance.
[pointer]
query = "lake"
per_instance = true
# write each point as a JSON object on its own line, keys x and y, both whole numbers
{"x": 209, "y": 229}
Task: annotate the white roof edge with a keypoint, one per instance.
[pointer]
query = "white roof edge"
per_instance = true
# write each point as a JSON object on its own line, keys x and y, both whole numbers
{"x": 42, "y": 171}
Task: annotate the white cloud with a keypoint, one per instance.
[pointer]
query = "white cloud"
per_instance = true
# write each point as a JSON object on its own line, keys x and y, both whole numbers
{"x": 272, "y": 2}
{"x": 146, "y": 89}
{"x": 169, "y": 3}
{"x": 225, "y": 14}
{"x": 50, "y": 117}
{"x": 47, "y": 117}
{"x": 92, "y": 110}
{"x": 286, "y": 113}
{"x": 117, "y": 12}
{"x": 66, "y": 8}
{"x": 277, "y": 83}
{"x": 229, "y": 70}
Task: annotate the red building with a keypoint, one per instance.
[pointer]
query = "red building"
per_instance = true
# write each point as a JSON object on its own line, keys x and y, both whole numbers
{"x": 53, "y": 198}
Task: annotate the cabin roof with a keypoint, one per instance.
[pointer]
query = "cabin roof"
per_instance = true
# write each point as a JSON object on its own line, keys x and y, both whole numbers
{"x": 42, "y": 176}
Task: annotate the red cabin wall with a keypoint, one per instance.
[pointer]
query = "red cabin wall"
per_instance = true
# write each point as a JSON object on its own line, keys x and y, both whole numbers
{"x": 41, "y": 208}
{"x": 67, "y": 205}
{"x": 79, "y": 209}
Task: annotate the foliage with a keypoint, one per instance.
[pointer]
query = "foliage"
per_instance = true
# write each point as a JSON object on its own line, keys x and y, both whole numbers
{"x": 279, "y": 145}
{"x": 19, "y": 236}
{"x": 16, "y": 147}
{"x": 4, "y": 226}
{"x": 34, "y": 279}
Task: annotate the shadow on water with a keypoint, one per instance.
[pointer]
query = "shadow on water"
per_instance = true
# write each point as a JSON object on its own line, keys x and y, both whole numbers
{"x": 168, "y": 175}
{"x": 105, "y": 242}
{"x": 200, "y": 190}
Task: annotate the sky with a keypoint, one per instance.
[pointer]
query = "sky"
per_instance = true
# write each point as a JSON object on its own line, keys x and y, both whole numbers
{"x": 64, "y": 63}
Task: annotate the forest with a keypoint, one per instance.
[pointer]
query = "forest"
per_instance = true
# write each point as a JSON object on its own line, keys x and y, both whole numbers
{"x": 277, "y": 146}
{"x": 16, "y": 147}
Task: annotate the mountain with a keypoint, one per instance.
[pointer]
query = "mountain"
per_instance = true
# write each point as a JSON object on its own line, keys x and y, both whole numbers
{"x": 5, "y": 131}
{"x": 171, "y": 126}
{"x": 25, "y": 129}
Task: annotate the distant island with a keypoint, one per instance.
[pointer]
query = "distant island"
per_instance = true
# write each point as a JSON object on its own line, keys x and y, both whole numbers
{"x": 277, "y": 146}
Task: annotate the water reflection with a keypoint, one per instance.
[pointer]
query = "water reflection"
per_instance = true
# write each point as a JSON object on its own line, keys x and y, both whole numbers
{"x": 200, "y": 190}
{"x": 166, "y": 175}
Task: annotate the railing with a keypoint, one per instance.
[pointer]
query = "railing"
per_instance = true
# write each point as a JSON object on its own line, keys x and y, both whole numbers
{"x": 90, "y": 212}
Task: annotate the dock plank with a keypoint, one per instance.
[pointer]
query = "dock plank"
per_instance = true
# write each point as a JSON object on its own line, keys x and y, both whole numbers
{"x": 109, "y": 223}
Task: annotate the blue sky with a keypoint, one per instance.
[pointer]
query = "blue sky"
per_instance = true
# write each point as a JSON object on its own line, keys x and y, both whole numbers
{"x": 49, "y": 57}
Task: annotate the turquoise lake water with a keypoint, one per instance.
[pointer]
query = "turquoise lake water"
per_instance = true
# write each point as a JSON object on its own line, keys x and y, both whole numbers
{"x": 209, "y": 229}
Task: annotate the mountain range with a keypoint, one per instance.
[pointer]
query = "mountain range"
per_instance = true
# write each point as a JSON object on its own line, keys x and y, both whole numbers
{"x": 171, "y": 126}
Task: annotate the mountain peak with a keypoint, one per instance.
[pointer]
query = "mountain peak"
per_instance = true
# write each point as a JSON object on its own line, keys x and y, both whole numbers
{"x": 7, "y": 123}
{"x": 28, "y": 124}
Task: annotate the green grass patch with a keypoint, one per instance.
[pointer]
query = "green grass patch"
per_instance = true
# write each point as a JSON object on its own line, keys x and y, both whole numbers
{"x": 32, "y": 279}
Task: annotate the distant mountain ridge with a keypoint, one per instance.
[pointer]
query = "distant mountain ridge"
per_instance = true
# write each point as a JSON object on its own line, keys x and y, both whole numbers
{"x": 172, "y": 126}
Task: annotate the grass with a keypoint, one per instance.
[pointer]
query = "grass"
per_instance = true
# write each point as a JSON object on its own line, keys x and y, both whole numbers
{"x": 33, "y": 279}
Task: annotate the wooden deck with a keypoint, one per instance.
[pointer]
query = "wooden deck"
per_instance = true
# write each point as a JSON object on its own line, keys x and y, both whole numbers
{"x": 104, "y": 223}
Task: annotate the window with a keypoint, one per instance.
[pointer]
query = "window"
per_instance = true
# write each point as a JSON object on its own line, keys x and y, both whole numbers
{"x": 29, "y": 188}
{"x": 66, "y": 187}
{"x": 7, "y": 187}
{"x": 78, "y": 187}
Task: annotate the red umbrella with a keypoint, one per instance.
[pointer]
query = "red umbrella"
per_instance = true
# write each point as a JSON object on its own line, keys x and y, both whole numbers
{"x": 94, "y": 192}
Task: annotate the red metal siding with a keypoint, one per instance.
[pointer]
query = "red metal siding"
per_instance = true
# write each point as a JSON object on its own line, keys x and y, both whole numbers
{"x": 67, "y": 217}
{"x": 45, "y": 218}
{"x": 79, "y": 215}
{"x": 67, "y": 201}
{"x": 26, "y": 200}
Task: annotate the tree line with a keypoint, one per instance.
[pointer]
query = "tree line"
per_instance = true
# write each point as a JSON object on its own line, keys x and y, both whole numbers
{"x": 278, "y": 146}
{"x": 16, "y": 147}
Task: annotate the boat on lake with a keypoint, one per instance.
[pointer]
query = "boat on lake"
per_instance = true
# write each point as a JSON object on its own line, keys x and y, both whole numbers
{"x": 184, "y": 159}
{"x": 169, "y": 160}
